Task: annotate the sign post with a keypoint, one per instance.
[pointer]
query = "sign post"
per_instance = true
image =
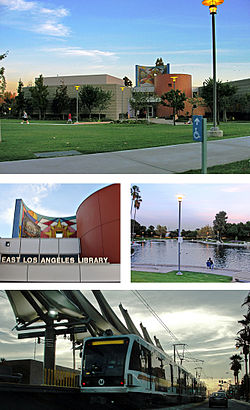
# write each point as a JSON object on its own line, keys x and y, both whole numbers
{"x": 200, "y": 135}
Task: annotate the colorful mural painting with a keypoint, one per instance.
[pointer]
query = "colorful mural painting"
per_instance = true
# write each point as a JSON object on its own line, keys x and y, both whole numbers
{"x": 29, "y": 224}
{"x": 145, "y": 74}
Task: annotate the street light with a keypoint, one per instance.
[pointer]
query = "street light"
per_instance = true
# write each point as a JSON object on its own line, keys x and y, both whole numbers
{"x": 174, "y": 80}
{"x": 179, "y": 198}
{"x": 122, "y": 89}
{"x": 77, "y": 98}
{"x": 212, "y": 4}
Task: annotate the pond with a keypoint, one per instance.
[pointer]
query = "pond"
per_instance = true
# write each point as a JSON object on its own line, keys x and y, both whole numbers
{"x": 192, "y": 253}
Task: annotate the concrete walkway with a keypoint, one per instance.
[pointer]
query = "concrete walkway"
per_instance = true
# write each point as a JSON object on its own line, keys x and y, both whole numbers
{"x": 238, "y": 276}
{"x": 159, "y": 160}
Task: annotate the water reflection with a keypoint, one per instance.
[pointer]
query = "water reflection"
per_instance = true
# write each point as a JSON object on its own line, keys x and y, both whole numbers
{"x": 192, "y": 253}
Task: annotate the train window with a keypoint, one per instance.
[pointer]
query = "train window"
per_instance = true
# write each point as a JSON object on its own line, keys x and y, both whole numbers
{"x": 140, "y": 358}
{"x": 158, "y": 367}
{"x": 104, "y": 359}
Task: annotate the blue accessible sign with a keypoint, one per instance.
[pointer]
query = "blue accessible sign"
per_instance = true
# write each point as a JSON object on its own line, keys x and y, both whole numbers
{"x": 197, "y": 128}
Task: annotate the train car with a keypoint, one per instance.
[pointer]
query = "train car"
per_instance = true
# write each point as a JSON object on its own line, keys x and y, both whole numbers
{"x": 126, "y": 370}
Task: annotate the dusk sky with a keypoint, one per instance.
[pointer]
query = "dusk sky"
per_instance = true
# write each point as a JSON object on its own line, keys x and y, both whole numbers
{"x": 80, "y": 37}
{"x": 200, "y": 204}
{"x": 46, "y": 199}
{"x": 207, "y": 321}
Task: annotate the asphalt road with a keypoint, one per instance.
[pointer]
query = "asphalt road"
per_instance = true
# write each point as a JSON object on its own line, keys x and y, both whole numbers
{"x": 232, "y": 404}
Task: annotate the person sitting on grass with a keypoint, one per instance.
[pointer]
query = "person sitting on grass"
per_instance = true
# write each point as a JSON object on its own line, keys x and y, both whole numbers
{"x": 210, "y": 263}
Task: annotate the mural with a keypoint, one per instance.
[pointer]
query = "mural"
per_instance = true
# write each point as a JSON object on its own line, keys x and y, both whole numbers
{"x": 145, "y": 74}
{"x": 29, "y": 224}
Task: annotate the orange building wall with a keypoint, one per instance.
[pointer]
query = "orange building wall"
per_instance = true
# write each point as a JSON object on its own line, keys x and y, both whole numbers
{"x": 164, "y": 83}
{"x": 98, "y": 224}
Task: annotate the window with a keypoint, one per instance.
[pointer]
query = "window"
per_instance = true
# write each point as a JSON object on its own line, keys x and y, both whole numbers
{"x": 140, "y": 358}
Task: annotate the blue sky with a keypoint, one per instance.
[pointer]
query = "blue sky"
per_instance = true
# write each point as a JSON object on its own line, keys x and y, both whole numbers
{"x": 46, "y": 199}
{"x": 80, "y": 37}
{"x": 200, "y": 204}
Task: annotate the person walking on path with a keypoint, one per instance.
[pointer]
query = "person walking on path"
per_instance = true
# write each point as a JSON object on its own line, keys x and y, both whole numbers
{"x": 69, "y": 119}
{"x": 25, "y": 118}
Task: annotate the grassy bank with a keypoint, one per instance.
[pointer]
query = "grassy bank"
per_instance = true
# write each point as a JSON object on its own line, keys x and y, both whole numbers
{"x": 169, "y": 277}
{"x": 238, "y": 167}
{"x": 21, "y": 141}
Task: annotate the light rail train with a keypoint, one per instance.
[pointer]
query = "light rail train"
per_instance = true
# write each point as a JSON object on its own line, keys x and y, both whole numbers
{"x": 126, "y": 370}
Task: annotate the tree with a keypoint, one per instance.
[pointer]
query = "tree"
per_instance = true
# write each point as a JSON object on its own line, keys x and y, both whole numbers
{"x": 236, "y": 360}
{"x": 127, "y": 82}
{"x": 159, "y": 62}
{"x": 2, "y": 77}
{"x": 61, "y": 100}
{"x": 175, "y": 99}
{"x": 205, "y": 231}
{"x": 195, "y": 103}
{"x": 151, "y": 231}
{"x": 104, "y": 100}
{"x": 225, "y": 91}
{"x": 140, "y": 100}
{"x": 39, "y": 94}
{"x": 161, "y": 230}
{"x": 220, "y": 223}
{"x": 89, "y": 97}
{"x": 20, "y": 100}
{"x": 135, "y": 204}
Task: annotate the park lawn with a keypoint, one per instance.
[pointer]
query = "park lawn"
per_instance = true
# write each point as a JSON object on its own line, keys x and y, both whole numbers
{"x": 157, "y": 277}
{"x": 238, "y": 167}
{"x": 21, "y": 141}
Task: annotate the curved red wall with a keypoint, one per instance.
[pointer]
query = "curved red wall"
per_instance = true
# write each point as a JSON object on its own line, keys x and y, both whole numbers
{"x": 164, "y": 83}
{"x": 98, "y": 224}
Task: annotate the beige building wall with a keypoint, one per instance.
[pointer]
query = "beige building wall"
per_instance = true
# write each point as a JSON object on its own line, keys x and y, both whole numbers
{"x": 119, "y": 101}
{"x": 83, "y": 79}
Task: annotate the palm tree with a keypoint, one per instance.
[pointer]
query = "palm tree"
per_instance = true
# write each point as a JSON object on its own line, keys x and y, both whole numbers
{"x": 135, "y": 203}
{"x": 236, "y": 366}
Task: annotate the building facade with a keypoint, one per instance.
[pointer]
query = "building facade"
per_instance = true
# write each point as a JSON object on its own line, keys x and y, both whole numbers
{"x": 119, "y": 101}
{"x": 80, "y": 248}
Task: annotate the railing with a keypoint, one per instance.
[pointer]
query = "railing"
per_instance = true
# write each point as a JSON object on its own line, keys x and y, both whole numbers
{"x": 60, "y": 378}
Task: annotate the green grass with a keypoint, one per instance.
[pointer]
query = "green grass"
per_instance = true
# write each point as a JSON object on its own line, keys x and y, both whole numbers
{"x": 21, "y": 141}
{"x": 238, "y": 167}
{"x": 157, "y": 277}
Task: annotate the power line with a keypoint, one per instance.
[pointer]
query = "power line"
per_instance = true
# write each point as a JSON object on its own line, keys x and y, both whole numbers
{"x": 172, "y": 335}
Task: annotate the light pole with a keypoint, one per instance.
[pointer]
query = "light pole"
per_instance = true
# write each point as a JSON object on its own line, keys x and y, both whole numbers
{"x": 77, "y": 100}
{"x": 212, "y": 4}
{"x": 122, "y": 89}
{"x": 179, "y": 198}
{"x": 174, "y": 80}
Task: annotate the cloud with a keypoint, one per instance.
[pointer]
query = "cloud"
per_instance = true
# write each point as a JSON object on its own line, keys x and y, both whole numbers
{"x": 51, "y": 28}
{"x": 18, "y": 5}
{"x": 77, "y": 51}
{"x": 61, "y": 12}
{"x": 51, "y": 17}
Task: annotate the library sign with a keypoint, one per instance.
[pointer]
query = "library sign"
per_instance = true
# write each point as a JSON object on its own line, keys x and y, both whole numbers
{"x": 8, "y": 259}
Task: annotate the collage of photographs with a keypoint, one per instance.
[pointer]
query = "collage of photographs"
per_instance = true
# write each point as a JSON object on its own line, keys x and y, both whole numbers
{"x": 124, "y": 205}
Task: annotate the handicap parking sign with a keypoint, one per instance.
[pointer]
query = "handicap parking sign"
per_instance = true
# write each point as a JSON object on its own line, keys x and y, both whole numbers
{"x": 197, "y": 128}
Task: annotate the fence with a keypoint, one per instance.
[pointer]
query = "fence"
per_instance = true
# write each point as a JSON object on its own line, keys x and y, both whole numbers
{"x": 60, "y": 378}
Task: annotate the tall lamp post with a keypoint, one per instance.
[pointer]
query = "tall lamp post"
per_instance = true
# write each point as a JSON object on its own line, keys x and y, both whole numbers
{"x": 122, "y": 89}
{"x": 174, "y": 81}
{"x": 77, "y": 100}
{"x": 179, "y": 198}
{"x": 212, "y": 4}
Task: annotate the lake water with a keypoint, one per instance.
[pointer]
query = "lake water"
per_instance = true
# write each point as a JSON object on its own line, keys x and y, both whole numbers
{"x": 192, "y": 253}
